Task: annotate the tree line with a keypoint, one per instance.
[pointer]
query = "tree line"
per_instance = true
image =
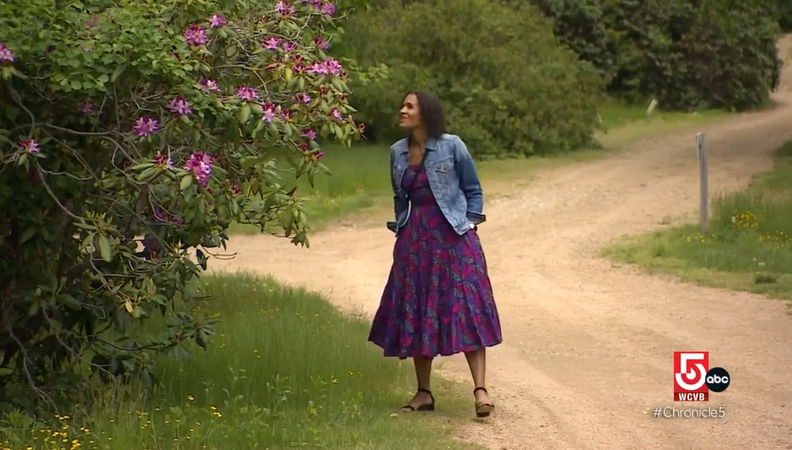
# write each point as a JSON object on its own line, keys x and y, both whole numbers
{"x": 525, "y": 77}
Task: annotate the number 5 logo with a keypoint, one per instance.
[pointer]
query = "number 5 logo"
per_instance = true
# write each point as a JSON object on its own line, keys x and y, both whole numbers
{"x": 691, "y": 370}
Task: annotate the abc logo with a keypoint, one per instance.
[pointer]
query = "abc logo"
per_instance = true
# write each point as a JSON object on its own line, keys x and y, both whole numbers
{"x": 717, "y": 379}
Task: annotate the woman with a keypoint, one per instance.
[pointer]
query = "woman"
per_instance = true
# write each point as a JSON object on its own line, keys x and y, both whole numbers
{"x": 438, "y": 299}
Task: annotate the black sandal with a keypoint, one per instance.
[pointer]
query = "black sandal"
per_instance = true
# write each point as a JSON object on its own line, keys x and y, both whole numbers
{"x": 424, "y": 407}
{"x": 483, "y": 409}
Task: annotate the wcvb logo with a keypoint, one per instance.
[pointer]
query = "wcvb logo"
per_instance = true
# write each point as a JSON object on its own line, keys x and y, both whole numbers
{"x": 693, "y": 379}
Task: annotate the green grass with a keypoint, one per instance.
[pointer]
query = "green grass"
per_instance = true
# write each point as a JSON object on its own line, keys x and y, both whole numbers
{"x": 285, "y": 370}
{"x": 360, "y": 180}
{"x": 748, "y": 246}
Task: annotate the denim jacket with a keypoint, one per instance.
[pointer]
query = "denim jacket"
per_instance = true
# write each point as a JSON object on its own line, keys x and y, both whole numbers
{"x": 452, "y": 179}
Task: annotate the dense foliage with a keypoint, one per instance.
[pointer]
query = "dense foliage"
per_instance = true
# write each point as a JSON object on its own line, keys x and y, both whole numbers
{"x": 782, "y": 11}
{"x": 132, "y": 133}
{"x": 509, "y": 89}
{"x": 689, "y": 54}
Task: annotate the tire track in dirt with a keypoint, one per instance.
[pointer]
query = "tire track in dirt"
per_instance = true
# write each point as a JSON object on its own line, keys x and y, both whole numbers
{"x": 588, "y": 346}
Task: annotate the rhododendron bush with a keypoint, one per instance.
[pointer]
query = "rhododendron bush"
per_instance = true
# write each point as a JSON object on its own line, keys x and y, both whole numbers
{"x": 132, "y": 133}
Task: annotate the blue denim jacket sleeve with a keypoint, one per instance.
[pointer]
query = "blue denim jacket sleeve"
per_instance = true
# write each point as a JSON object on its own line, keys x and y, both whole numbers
{"x": 468, "y": 178}
{"x": 399, "y": 203}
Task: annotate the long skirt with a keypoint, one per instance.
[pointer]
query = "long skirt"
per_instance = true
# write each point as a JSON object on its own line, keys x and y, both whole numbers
{"x": 438, "y": 299}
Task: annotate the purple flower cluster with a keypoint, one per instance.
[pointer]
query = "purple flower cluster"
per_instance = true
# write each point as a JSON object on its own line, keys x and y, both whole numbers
{"x": 145, "y": 126}
{"x": 246, "y": 93}
{"x": 284, "y": 8}
{"x": 163, "y": 161}
{"x": 327, "y": 67}
{"x": 325, "y": 7}
{"x": 269, "y": 111}
{"x": 200, "y": 164}
{"x": 6, "y": 54}
{"x": 308, "y": 134}
{"x": 30, "y": 146}
{"x": 196, "y": 35}
{"x": 86, "y": 107}
{"x": 209, "y": 86}
{"x": 217, "y": 21}
{"x": 164, "y": 216}
{"x": 179, "y": 106}
{"x": 320, "y": 42}
{"x": 271, "y": 43}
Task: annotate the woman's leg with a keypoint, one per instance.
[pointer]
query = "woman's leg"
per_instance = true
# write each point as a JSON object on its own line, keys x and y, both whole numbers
{"x": 477, "y": 360}
{"x": 423, "y": 374}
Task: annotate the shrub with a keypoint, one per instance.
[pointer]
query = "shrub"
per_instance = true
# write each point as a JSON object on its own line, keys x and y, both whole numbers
{"x": 508, "y": 87}
{"x": 783, "y": 12}
{"x": 689, "y": 54}
{"x": 133, "y": 133}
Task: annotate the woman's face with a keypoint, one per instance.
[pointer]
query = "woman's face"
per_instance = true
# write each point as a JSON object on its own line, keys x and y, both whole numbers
{"x": 409, "y": 115}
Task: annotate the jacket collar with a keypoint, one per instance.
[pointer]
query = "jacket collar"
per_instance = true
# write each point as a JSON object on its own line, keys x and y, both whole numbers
{"x": 431, "y": 144}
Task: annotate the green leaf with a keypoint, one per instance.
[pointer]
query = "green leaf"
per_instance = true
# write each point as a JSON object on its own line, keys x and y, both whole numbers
{"x": 260, "y": 126}
{"x": 339, "y": 85}
{"x": 141, "y": 166}
{"x": 17, "y": 73}
{"x": 146, "y": 174}
{"x": 235, "y": 209}
{"x": 84, "y": 226}
{"x": 120, "y": 70}
{"x": 186, "y": 182}
{"x": 201, "y": 209}
{"x": 104, "y": 247}
{"x": 288, "y": 222}
{"x": 27, "y": 235}
{"x": 34, "y": 308}
{"x": 323, "y": 168}
{"x": 137, "y": 312}
{"x": 199, "y": 255}
{"x": 200, "y": 340}
{"x": 151, "y": 287}
{"x": 244, "y": 113}
{"x": 70, "y": 302}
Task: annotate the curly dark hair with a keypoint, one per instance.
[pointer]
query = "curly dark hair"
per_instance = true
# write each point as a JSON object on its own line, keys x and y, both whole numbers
{"x": 432, "y": 114}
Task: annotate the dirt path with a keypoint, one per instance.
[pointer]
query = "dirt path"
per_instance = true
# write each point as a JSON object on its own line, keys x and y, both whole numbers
{"x": 588, "y": 347}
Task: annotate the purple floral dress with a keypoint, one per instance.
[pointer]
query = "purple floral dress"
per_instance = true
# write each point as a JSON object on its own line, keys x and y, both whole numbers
{"x": 438, "y": 299}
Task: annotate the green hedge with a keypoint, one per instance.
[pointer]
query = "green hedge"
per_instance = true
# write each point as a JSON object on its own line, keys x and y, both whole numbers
{"x": 508, "y": 87}
{"x": 689, "y": 54}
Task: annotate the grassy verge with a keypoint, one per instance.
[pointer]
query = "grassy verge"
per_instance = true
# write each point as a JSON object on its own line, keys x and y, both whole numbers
{"x": 748, "y": 246}
{"x": 360, "y": 182}
{"x": 285, "y": 370}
